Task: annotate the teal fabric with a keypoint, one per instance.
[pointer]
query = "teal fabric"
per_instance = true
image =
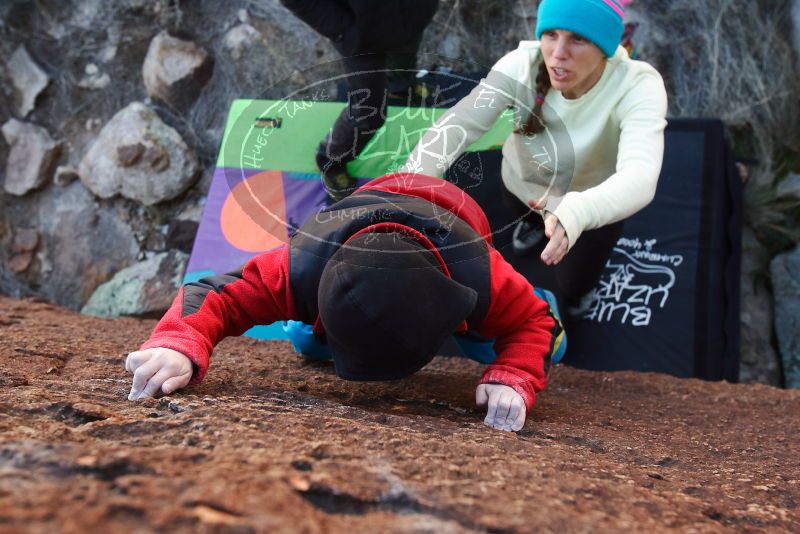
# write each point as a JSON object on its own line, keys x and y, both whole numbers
{"x": 594, "y": 20}
{"x": 305, "y": 342}
{"x": 550, "y": 298}
{"x": 476, "y": 347}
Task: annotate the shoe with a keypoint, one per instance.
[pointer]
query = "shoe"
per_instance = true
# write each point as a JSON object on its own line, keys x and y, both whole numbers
{"x": 339, "y": 186}
{"x": 525, "y": 237}
{"x": 560, "y": 343}
{"x": 338, "y": 183}
{"x": 306, "y": 342}
{"x": 583, "y": 307}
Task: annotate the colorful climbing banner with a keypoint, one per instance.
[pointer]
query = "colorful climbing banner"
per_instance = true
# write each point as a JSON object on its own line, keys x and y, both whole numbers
{"x": 265, "y": 184}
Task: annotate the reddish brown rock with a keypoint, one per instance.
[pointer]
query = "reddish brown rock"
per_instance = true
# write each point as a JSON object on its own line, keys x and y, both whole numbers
{"x": 270, "y": 443}
{"x": 20, "y": 262}
{"x": 25, "y": 240}
{"x": 128, "y": 155}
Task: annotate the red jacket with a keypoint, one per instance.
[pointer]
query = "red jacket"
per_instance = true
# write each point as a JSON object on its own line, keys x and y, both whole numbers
{"x": 520, "y": 322}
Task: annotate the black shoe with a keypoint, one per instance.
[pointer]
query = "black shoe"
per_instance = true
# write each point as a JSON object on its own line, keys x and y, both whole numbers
{"x": 338, "y": 183}
{"x": 584, "y": 307}
{"x": 526, "y": 236}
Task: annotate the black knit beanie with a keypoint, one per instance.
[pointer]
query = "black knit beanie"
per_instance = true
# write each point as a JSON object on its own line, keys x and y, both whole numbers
{"x": 387, "y": 306}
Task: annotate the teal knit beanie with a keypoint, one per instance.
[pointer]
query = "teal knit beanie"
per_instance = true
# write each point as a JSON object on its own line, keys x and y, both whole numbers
{"x": 599, "y": 21}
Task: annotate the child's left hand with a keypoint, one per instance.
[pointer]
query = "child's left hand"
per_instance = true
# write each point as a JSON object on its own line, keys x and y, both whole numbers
{"x": 506, "y": 407}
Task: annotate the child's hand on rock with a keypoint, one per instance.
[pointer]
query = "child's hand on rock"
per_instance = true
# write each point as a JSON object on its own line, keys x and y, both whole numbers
{"x": 506, "y": 407}
{"x": 155, "y": 369}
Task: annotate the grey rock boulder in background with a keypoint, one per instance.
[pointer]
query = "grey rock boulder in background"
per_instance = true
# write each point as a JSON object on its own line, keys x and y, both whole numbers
{"x": 139, "y": 157}
{"x": 82, "y": 244}
{"x": 31, "y": 157}
{"x": 785, "y": 270}
{"x": 145, "y": 288}
{"x": 28, "y": 79}
{"x": 759, "y": 361}
{"x": 175, "y": 71}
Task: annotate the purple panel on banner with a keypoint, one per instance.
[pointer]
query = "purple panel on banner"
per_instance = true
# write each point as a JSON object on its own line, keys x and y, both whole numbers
{"x": 211, "y": 250}
{"x": 305, "y": 195}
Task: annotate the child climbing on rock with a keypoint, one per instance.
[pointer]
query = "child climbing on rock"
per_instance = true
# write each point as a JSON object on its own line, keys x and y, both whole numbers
{"x": 383, "y": 278}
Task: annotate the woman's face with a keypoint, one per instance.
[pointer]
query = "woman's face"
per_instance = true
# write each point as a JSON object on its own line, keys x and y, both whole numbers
{"x": 573, "y": 63}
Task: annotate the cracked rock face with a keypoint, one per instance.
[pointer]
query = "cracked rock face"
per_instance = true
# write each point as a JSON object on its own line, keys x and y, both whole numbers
{"x": 31, "y": 159}
{"x": 139, "y": 157}
{"x": 271, "y": 443}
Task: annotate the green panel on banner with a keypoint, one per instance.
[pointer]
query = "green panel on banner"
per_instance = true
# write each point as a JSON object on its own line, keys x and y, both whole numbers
{"x": 284, "y": 134}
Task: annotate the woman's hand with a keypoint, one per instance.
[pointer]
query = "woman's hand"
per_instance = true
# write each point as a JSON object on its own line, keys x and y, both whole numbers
{"x": 558, "y": 246}
{"x": 154, "y": 369}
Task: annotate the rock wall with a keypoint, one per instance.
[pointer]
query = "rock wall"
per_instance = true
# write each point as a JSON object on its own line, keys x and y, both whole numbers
{"x": 112, "y": 114}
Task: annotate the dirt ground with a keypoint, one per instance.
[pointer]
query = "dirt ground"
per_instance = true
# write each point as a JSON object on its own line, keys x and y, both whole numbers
{"x": 269, "y": 443}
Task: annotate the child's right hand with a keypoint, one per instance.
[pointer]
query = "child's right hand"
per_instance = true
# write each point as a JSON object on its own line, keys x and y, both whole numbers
{"x": 152, "y": 369}
{"x": 505, "y": 407}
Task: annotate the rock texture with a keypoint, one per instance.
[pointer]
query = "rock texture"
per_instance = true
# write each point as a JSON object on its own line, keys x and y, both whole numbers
{"x": 269, "y": 443}
{"x": 65, "y": 175}
{"x": 175, "y": 70}
{"x": 22, "y": 249}
{"x": 785, "y": 270}
{"x": 82, "y": 244}
{"x": 28, "y": 78}
{"x": 789, "y": 186}
{"x": 240, "y": 38}
{"x": 94, "y": 79}
{"x": 796, "y": 26}
{"x": 139, "y": 157}
{"x": 30, "y": 161}
{"x": 759, "y": 361}
{"x": 145, "y": 288}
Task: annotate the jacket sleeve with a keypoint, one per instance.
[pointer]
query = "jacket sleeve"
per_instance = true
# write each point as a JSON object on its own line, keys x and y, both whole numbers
{"x": 206, "y": 311}
{"x": 465, "y": 122}
{"x": 524, "y": 329}
{"x": 640, "y": 154}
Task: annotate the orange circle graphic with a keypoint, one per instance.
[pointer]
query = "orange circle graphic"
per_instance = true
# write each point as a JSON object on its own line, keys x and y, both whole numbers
{"x": 253, "y": 215}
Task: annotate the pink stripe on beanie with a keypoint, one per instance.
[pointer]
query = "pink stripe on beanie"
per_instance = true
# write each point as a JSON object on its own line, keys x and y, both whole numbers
{"x": 616, "y": 6}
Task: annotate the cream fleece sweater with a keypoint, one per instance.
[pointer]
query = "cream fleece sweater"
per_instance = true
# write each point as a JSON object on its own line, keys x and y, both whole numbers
{"x": 598, "y": 160}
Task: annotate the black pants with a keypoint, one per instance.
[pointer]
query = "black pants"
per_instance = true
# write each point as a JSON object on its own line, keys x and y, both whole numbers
{"x": 370, "y": 77}
{"x": 378, "y": 42}
{"x": 581, "y": 268}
